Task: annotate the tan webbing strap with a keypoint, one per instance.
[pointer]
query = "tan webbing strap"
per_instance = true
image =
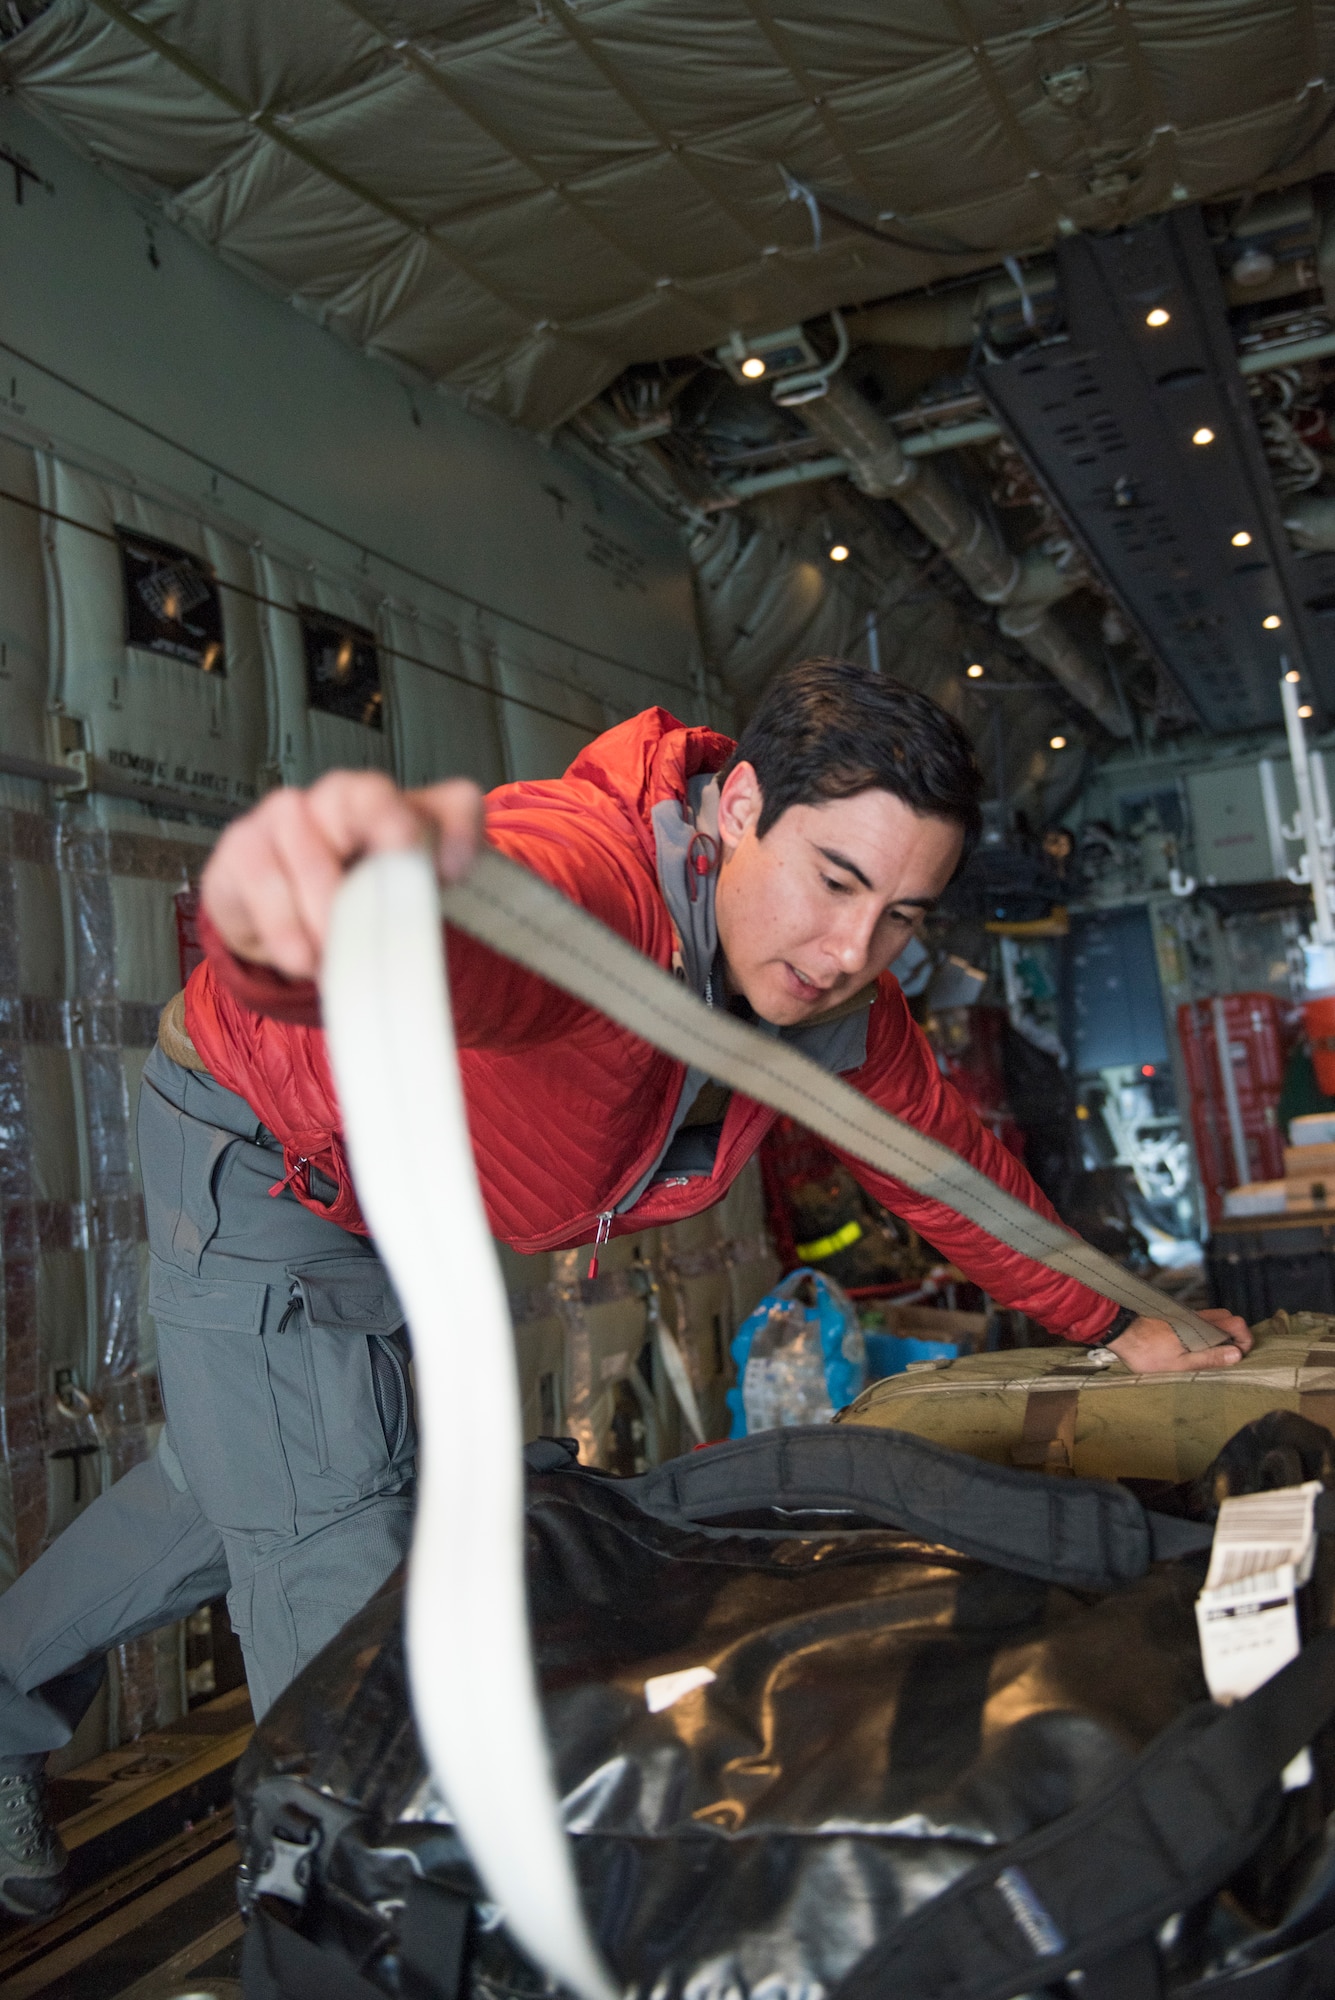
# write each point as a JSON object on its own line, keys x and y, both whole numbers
{"x": 1047, "y": 1442}
{"x": 1319, "y": 1403}
{"x": 524, "y": 918}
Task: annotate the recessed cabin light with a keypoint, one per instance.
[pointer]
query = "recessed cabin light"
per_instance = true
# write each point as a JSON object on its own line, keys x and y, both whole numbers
{"x": 1293, "y": 676}
{"x": 1158, "y": 317}
{"x": 1242, "y": 540}
{"x": 1203, "y": 436}
{"x": 753, "y": 367}
{"x": 974, "y": 672}
{"x": 839, "y": 553}
{"x": 1273, "y": 622}
{"x": 1056, "y": 742}
{"x": 1306, "y": 711}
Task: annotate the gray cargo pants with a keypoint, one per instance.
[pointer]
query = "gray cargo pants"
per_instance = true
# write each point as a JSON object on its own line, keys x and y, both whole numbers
{"x": 284, "y": 1475}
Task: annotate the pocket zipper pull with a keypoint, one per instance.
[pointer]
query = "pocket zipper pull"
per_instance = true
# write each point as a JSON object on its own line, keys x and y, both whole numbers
{"x": 291, "y": 1177}
{"x": 604, "y": 1231}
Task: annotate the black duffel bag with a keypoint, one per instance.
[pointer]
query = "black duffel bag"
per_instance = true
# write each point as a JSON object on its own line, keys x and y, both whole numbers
{"x": 949, "y": 1739}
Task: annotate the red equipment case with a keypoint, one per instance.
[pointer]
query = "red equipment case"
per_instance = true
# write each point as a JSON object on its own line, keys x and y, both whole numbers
{"x": 1255, "y": 1054}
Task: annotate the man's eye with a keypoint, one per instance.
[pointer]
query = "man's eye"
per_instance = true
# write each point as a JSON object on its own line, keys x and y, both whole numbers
{"x": 839, "y": 888}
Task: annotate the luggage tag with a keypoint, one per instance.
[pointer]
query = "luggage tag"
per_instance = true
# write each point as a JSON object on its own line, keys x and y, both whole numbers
{"x": 1263, "y": 1551}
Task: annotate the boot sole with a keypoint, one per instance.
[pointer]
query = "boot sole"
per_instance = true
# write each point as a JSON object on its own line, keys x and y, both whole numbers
{"x": 34, "y": 1896}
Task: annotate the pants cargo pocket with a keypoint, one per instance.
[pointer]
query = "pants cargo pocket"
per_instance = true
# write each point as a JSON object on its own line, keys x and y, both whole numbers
{"x": 355, "y": 1352}
{"x": 181, "y": 1158}
{"x": 221, "y": 1407}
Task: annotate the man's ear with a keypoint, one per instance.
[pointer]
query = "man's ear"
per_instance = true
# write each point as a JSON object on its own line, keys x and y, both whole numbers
{"x": 740, "y": 804}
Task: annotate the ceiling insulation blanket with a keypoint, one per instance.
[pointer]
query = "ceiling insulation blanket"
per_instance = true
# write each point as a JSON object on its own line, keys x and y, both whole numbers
{"x": 522, "y": 200}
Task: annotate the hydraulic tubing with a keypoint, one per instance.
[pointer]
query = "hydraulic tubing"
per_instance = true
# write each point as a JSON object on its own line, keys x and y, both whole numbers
{"x": 847, "y": 423}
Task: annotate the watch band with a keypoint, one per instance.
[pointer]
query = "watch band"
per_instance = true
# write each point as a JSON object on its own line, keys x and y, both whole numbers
{"x": 1116, "y": 1326}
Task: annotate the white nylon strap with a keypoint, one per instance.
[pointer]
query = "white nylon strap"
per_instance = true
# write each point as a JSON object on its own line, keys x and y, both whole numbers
{"x": 523, "y": 917}
{"x": 391, "y": 1043}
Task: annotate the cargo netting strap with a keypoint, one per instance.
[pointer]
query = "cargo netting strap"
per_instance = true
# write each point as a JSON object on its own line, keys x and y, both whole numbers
{"x": 523, "y": 917}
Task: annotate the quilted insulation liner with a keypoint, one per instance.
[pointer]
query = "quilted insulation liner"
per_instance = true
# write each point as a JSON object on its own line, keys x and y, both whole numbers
{"x": 521, "y": 197}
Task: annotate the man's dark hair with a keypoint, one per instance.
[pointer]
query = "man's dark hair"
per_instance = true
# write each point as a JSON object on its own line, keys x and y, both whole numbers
{"x": 827, "y": 729}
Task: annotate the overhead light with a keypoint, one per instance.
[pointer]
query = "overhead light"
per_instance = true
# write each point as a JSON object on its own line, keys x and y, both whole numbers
{"x": 1203, "y": 436}
{"x": 1293, "y": 676}
{"x": 1158, "y": 317}
{"x": 1254, "y": 266}
{"x": 1306, "y": 711}
{"x": 1273, "y": 622}
{"x": 1242, "y": 540}
{"x": 839, "y": 553}
{"x": 974, "y": 672}
{"x": 1056, "y": 742}
{"x": 748, "y": 356}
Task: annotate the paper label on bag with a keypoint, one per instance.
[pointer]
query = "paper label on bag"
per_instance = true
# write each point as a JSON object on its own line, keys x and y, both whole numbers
{"x": 1247, "y": 1615}
{"x": 1257, "y": 1532}
{"x": 1249, "y": 1630}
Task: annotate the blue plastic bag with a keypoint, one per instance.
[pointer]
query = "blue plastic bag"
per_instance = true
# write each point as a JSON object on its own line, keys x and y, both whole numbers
{"x": 892, "y": 1353}
{"x": 800, "y": 1356}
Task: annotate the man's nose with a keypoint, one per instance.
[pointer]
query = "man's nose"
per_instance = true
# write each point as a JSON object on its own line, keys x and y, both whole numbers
{"x": 851, "y": 942}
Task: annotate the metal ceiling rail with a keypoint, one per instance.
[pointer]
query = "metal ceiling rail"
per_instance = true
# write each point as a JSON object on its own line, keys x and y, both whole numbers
{"x": 918, "y": 444}
{"x": 1286, "y": 354}
{"x": 1139, "y": 426}
{"x": 981, "y": 430}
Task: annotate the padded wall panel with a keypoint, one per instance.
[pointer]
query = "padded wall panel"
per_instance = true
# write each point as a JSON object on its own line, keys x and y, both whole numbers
{"x": 147, "y": 960}
{"x": 125, "y": 667}
{"x": 38, "y": 929}
{"x": 546, "y": 722}
{"x": 305, "y": 741}
{"x": 443, "y": 713}
{"x": 50, "y": 1090}
{"x": 23, "y": 618}
{"x": 87, "y": 953}
{"x": 41, "y": 1160}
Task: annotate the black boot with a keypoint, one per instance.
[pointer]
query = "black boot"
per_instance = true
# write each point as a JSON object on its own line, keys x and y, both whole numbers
{"x": 34, "y": 1867}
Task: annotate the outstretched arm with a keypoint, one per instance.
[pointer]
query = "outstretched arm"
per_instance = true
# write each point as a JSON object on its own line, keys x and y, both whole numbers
{"x": 901, "y": 1075}
{"x": 271, "y": 882}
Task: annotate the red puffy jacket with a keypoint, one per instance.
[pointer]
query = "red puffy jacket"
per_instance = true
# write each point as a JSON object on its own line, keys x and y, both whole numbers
{"x": 568, "y": 1111}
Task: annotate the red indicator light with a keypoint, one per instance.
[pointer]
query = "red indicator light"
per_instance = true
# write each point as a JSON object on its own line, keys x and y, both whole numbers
{"x": 1147, "y": 1069}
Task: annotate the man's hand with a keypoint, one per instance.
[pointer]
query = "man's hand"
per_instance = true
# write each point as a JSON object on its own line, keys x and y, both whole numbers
{"x": 1150, "y": 1347}
{"x": 271, "y": 880}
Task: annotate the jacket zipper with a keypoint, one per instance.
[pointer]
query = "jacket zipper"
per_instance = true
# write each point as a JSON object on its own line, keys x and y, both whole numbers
{"x": 683, "y": 1180}
{"x": 604, "y": 1231}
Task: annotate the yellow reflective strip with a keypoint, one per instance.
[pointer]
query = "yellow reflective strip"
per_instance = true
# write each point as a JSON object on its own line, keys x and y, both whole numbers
{"x": 825, "y": 1246}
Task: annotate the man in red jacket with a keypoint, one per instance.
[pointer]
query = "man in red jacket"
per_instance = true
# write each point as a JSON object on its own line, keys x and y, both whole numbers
{"x": 778, "y": 877}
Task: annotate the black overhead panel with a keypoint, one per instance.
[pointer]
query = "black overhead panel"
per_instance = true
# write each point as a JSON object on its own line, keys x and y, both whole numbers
{"x": 1106, "y": 415}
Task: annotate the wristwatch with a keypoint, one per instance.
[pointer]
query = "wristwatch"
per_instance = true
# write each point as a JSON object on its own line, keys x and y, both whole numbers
{"x": 1125, "y": 1315}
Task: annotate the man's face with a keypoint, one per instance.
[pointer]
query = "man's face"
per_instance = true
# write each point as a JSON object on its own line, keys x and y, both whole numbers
{"x": 827, "y": 899}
